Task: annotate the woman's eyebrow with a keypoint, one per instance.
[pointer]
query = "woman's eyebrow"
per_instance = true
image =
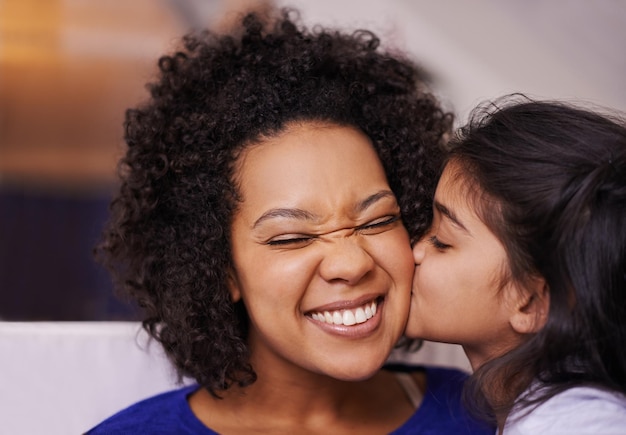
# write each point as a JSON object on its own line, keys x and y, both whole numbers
{"x": 450, "y": 215}
{"x": 299, "y": 214}
{"x": 289, "y": 213}
{"x": 370, "y": 200}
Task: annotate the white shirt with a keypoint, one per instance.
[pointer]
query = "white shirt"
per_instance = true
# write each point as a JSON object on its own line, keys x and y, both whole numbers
{"x": 579, "y": 410}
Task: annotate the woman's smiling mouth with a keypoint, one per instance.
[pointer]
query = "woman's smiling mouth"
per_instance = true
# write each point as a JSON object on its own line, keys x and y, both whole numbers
{"x": 346, "y": 316}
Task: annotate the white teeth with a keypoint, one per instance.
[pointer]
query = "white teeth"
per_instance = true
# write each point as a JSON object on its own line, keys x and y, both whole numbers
{"x": 347, "y": 317}
{"x": 359, "y": 315}
{"x": 368, "y": 312}
{"x": 327, "y": 317}
{"x": 337, "y": 318}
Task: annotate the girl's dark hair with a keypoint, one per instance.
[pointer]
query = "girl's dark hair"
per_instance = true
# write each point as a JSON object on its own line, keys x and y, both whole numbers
{"x": 549, "y": 179}
{"x": 167, "y": 242}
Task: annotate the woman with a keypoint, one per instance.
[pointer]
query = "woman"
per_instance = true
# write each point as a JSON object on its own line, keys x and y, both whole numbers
{"x": 259, "y": 224}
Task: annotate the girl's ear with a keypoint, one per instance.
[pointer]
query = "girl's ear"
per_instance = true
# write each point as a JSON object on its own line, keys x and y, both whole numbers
{"x": 233, "y": 287}
{"x": 531, "y": 311}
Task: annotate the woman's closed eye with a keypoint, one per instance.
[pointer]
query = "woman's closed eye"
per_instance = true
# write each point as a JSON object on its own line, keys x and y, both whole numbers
{"x": 300, "y": 240}
{"x": 378, "y": 225}
{"x": 291, "y": 240}
{"x": 438, "y": 244}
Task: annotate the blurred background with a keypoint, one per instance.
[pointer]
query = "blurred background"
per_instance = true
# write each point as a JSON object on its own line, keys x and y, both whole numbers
{"x": 69, "y": 69}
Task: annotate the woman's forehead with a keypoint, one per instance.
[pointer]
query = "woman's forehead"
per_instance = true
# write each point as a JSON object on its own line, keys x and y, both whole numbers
{"x": 329, "y": 167}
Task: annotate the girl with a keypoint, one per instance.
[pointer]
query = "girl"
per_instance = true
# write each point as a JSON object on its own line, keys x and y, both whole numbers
{"x": 525, "y": 266}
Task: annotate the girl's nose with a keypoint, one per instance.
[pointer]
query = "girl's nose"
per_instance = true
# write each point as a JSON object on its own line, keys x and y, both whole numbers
{"x": 419, "y": 250}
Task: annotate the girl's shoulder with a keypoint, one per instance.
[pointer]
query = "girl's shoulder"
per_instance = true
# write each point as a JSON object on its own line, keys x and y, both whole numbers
{"x": 580, "y": 410}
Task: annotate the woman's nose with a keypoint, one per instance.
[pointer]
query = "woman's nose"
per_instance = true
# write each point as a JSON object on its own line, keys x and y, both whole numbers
{"x": 346, "y": 260}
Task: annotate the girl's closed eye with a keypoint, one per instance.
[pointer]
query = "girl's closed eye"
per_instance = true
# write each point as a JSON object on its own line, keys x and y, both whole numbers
{"x": 438, "y": 244}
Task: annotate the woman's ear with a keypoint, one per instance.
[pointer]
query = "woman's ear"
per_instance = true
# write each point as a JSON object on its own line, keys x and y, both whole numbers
{"x": 531, "y": 311}
{"x": 233, "y": 287}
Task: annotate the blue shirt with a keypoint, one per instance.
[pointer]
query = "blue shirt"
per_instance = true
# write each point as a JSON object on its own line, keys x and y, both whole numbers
{"x": 440, "y": 412}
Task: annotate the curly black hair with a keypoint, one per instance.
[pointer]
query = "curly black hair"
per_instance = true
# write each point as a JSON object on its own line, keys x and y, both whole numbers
{"x": 167, "y": 243}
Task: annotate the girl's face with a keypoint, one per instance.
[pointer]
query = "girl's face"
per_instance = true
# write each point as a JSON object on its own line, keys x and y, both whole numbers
{"x": 458, "y": 294}
{"x": 322, "y": 261}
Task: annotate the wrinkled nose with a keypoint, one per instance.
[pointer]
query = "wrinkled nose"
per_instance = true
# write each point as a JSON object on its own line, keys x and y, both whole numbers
{"x": 346, "y": 260}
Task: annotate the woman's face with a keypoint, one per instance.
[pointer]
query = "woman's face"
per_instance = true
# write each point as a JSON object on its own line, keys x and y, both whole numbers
{"x": 458, "y": 295}
{"x": 322, "y": 260}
